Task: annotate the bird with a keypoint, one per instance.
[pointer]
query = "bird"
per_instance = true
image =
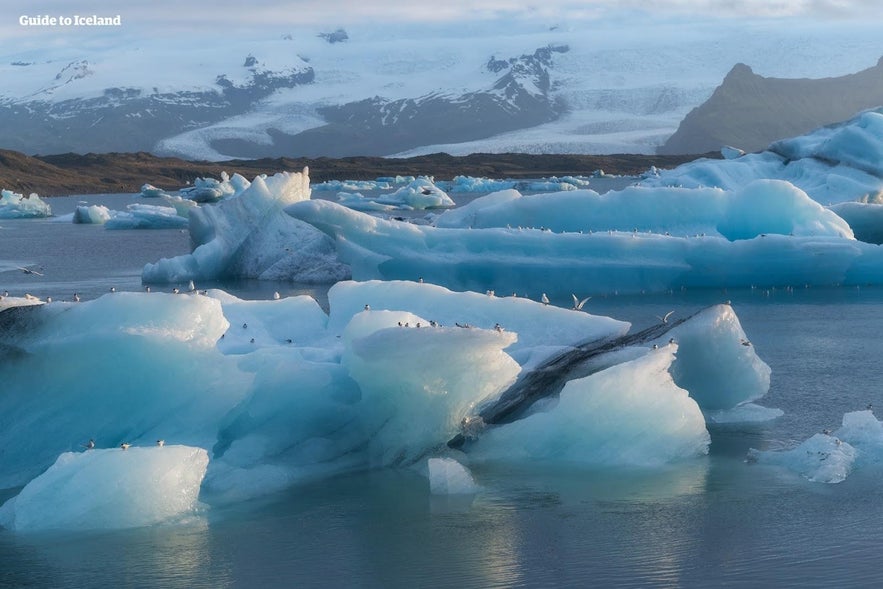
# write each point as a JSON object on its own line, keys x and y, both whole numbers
{"x": 125, "y": 445}
{"x": 48, "y": 299}
{"x": 544, "y": 299}
{"x": 665, "y": 318}
{"x": 191, "y": 287}
{"x": 745, "y": 342}
{"x": 245, "y": 326}
{"x": 252, "y": 341}
{"x": 113, "y": 289}
{"x": 30, "y": 271}
{"x": 498, "y": 328}
{"x": 160, "y": 443}
{"x": 367, "y": 307}
{"x": 146, "y": 289}
{"x": 276, "y": 296}
{"x": 176, "y": 290}
{"x": 76, "y": 298}
{"x": 90, "y": 444}
{"x": 578, "y": 304}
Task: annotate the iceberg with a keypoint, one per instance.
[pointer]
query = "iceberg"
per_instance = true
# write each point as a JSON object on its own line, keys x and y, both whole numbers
{"x": 833, "y": 164}
{"x": 830, "y": 457}
{"x": 91, "y": 214}
{"x": 110, "y": 489}
{"x": 421, "y": 193}
{"x": 761, "y": 207}
{"x": 278, "y": 392}
{"x": 151, "y": 191}
{"x": 248, "y": 235}
{"x": 211, "y": 190}
{"x": 17, "y": 206}
{"x": 141, "y": 216}
{"x": 630, "y": 414}
{"x": 503, "y": 259}
{"x": 449, "y": 477}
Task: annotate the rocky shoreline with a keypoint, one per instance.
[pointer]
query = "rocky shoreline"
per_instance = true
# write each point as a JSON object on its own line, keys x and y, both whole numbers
{"x": 65, "y": 174}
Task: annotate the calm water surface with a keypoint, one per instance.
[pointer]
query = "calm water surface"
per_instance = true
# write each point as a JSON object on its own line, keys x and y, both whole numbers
{"x": 715, "y": 521}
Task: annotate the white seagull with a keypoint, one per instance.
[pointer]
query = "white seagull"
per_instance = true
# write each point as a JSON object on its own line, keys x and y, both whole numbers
{"x": 578, "y": 304}
{"x": 665, "y": 319}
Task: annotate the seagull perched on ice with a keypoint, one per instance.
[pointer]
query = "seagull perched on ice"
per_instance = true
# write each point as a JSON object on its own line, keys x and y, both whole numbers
{"x": 276, "y": 296}
{"x": 578, "y": 304}
{"x": 160, "y": 443}
{"x": 544, "y": 299}
{"x": 665, "y": 318}
{"x": 90, "y": 444}
{"x": 367, "y": 307}
{"x": 176, "y": 290}
{"x": 113, "y": 289}
{"x": 125, "y": 445}
{"x": 76, "y": 298}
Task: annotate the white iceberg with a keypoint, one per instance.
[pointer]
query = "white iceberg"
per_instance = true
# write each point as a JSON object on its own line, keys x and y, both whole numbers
{"x": 91, "y": 214}
{"x": 110, "y": 489}
{"x": 141, "y": 216}
{"x": 248, "y": 235}
{"x": 421, "y": 193}
{"x": 17, "y": 206}
{"x": 449, "y": 477}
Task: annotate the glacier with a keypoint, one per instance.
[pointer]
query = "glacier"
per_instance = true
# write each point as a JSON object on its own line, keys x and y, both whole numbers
{"x": 255, "y": 396}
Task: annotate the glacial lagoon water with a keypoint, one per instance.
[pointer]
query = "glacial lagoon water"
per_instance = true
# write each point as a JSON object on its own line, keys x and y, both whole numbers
{"x": 715, "y": 521}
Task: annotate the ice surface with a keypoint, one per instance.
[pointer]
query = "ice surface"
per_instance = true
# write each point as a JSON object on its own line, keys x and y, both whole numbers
{"x": 716, "y": 362}
{"x": 17, "y": 206}
{"x": 91, "y": 214}
{"x": 421, "y": 193}
{"x": 833, "y": 164}
{"x": 449, "y": 477}
{"x": 632, "y": 413}
{"x": 761, "y": 207}
{"x": 141, "y": 216}
{"x": 211, "y": 190}
{"x": 110, "y": 489}
{"x": 278, "y": 392}
{"x": 151, "y": 191}
{"x": 829, "y": 457}
{"x": 822, "y": 458}
{"x": 505, "y": 259}
{"x": 248, "y": 235}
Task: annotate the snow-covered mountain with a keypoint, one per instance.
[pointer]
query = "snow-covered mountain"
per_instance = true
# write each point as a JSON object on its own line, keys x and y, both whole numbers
{"x": 584, "y": 87}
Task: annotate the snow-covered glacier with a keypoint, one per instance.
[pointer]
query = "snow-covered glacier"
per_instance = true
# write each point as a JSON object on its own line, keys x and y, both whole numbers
{"x": 254, "y": 396}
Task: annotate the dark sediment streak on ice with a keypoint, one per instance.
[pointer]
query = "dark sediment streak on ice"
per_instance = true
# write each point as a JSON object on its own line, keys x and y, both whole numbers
{"x": 549, "y": 378}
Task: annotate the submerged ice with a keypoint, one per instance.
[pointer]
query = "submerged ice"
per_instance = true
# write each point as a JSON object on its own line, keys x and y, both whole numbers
{"x": 279, "y": 392}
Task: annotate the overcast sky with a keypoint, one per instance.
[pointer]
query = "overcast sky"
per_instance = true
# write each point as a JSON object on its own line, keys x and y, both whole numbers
{"x": 232, "y": 16}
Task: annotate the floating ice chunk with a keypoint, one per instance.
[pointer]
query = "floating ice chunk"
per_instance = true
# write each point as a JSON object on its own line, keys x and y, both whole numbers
{"x": 359, "y": 202}
{"x": 151, "y": 191}
{"x": 351, "y": 185}
{"x": 141, "y": 216}
{"x": 595, "y": 263}
{"x": 762, "y": 207}
{"x": 17, "y": 206}
{"x": 249, "y": 236}
{"x": 91, "y": 214}
{"x": 419, "y": 384}
{"x": 862, "y": 430}
{"x": 449, "y": 477}
{"x": 110, "y": 489}
{"x": 833, "y": 164}
{"x": 630, "y": 414}
{"x": 716, "y": 362}
{"x": 422, "y": 193}
{"x": 211, "y": 190}
{"x": 471, "y": 184}
{"x": 822, "y": 458}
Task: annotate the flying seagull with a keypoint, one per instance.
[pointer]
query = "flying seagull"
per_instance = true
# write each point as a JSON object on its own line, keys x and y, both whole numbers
{"x": 578, "y": 304}
{"x": 665, "y": 319}
{"x": 30, "y": 271}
